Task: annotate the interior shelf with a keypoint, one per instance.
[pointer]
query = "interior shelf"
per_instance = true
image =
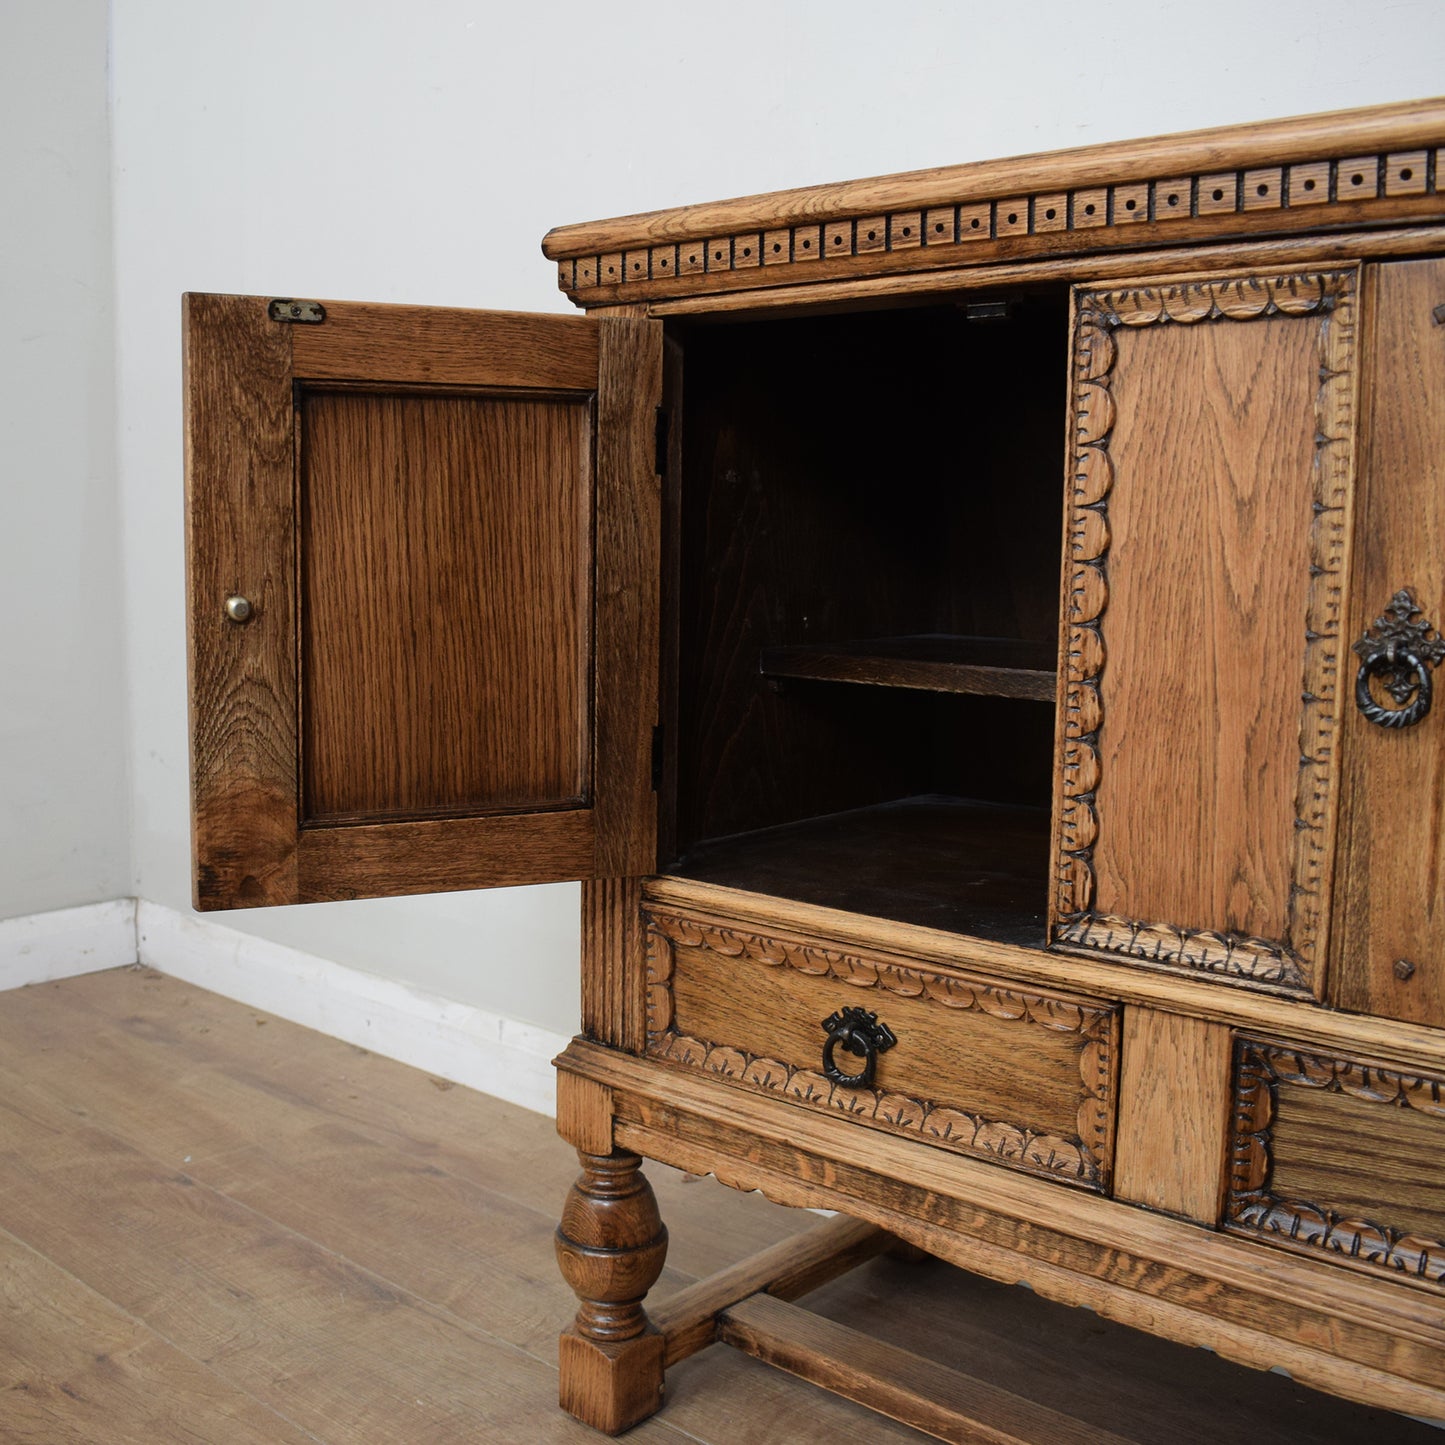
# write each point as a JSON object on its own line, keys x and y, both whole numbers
{"x": 942, "y": 862}
{"x": 932, "y": 662}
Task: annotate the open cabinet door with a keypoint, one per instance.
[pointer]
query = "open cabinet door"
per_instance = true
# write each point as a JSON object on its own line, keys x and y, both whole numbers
{"x": 422, "y": 554}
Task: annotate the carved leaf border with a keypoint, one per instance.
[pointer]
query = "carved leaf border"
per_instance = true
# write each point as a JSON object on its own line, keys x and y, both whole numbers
{"x": 1251, "y": 1207}
{"x": 1084, "y": 1160}
{"x": 1287, "y": 967}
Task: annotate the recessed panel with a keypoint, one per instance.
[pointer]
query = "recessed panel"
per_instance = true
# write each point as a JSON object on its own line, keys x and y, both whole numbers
{"x": 1209, "y": 572}
{"x": 445, "y": 556}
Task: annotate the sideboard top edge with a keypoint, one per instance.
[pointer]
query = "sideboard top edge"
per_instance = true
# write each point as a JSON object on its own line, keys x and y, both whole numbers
{"x": 1400, "y": 125}
{"x": 1335, "y": 172}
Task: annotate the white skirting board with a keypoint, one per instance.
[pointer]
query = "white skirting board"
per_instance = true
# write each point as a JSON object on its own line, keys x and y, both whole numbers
{"x": 41, "y": 947}
{"x": 452, "y": 1040}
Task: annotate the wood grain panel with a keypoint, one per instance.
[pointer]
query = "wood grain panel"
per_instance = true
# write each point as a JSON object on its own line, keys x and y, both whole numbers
{"x": 1173, "y": 1113}
{"x": 1022, "y": 1077}
{"x": 629, "y": 568}
{"x": 1361, "y": 1158}
{"x": 446, "y": 547}
{"x": 433, "y": 855}
{"x": 240, "y": 539}
{"x": 423, "y": 344}
{"x": 447, "y": 575}
{"x": 1209, "y": 520}
{"x": 1391, "y": 903}
{"x": 1208, "y": 550}
{"x": 1339, "y": 1158}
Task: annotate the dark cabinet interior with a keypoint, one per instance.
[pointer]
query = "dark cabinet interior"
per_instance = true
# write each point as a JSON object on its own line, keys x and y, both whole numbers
{"x": 865, "y": 575}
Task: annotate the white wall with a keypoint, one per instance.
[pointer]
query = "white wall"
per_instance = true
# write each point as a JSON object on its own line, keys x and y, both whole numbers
{"x": 418, "y": 151}
{"x": 64, "y": 796}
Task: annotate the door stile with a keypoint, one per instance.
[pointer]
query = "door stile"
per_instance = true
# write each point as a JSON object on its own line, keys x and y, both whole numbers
{"x": 240, "y": 543}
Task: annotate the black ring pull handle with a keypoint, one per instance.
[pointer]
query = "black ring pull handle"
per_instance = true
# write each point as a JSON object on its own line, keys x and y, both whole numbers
{"x": 1398, "y": 650}
{"x": 856, "y": 1032}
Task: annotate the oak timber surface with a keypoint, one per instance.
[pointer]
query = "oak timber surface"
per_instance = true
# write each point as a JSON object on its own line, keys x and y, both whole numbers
{"x": 315, "y": 1231}
{"x": 1213, "y": 449}
{"x": 446, "y": 547}
{"x": 1391, "y": 902}
{"x": 942, "y": 862}
{"x": 423, "y": 697}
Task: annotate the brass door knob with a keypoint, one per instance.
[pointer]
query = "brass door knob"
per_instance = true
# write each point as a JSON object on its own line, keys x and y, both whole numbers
{"x": 239, "y": 609}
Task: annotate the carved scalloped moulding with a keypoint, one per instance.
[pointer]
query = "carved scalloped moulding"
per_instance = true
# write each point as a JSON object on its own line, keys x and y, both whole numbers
{"x": 1083, "y": 1160}
{"x": 1077, "y": 221}
{"x": 1251, "y": 1207}
{"x": 1287, "y": 966}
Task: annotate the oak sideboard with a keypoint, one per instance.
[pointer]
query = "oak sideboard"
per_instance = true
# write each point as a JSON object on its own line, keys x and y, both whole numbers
{"x": 973, "y": 633}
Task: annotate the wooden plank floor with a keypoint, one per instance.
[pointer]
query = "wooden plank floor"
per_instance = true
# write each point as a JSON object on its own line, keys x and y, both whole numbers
{"x": 216, "y": 1226}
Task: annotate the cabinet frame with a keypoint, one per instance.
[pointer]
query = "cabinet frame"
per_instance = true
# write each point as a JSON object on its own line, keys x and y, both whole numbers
{"x": 1178, "y": 220}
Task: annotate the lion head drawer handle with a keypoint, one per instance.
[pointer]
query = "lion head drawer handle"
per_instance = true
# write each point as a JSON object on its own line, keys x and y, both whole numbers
{"x": 859, "y": 1033}
{"x": 1399, "y": 650}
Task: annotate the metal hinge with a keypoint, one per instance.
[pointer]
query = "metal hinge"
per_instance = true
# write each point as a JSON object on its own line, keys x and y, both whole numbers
{"x": 285, "y": 309}
{"x": 657, "y": 758}
{"x": 659, "y": 461}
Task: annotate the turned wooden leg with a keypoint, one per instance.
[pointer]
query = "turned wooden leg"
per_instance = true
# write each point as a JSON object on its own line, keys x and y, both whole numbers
{"x": 610, "y": 1245}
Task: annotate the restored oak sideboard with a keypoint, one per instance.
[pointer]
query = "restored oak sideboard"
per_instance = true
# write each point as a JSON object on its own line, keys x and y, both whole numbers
{"x": 973, "y": 633}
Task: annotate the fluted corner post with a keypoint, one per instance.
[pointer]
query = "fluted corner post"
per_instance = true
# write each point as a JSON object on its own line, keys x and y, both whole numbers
{"x": 611, "y": 1245}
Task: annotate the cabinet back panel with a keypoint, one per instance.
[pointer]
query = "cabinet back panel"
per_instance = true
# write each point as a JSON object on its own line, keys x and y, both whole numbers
{"x": 1208, "y": 575}
{"x": 848, "y": 478}
{"x": 445, "y": 556}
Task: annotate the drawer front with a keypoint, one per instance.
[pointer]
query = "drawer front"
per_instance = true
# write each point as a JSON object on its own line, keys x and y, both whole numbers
{"x": 1014, "y": 1076}
{"x": 1339, "y": 1158}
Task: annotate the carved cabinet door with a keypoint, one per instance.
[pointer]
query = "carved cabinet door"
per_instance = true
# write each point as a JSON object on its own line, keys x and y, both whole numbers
{"x": 422, "y": 569}
{"x": 1209, "y": 522}
{"x": 1389, "y": 948}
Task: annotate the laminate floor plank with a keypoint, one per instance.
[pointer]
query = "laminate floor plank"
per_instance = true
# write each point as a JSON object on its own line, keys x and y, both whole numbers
{"x": 242, "y": 1081}
{"x": 329, "y": 1345}
{"x": 76, "y": 1369}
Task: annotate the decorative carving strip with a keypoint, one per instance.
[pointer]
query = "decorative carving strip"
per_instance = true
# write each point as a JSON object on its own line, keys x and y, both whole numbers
{"x": 1234, "y": 955}
{"x": 951, "y": 990}
{"x": 1073, "y": 221}
{"x": 1083, "y": 1159}
{"x": 1331, "y": 296}
{"x": 1251, "y": 1206}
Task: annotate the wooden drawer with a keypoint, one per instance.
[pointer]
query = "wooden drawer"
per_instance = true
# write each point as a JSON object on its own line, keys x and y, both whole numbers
{"x": 1015, "y": 1076}
{"x": 1339, "y": 1158}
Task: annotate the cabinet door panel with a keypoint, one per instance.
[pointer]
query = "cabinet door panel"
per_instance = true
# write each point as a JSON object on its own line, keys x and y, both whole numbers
{"x": 445, "y": 542}
{"x": 446, "y": 526}
{"x": 1389, "y": 956}
{"x": 1206, "y": 551}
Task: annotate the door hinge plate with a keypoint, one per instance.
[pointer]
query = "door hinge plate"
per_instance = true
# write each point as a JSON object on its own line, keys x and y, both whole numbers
{"x": 285, "y": 309}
